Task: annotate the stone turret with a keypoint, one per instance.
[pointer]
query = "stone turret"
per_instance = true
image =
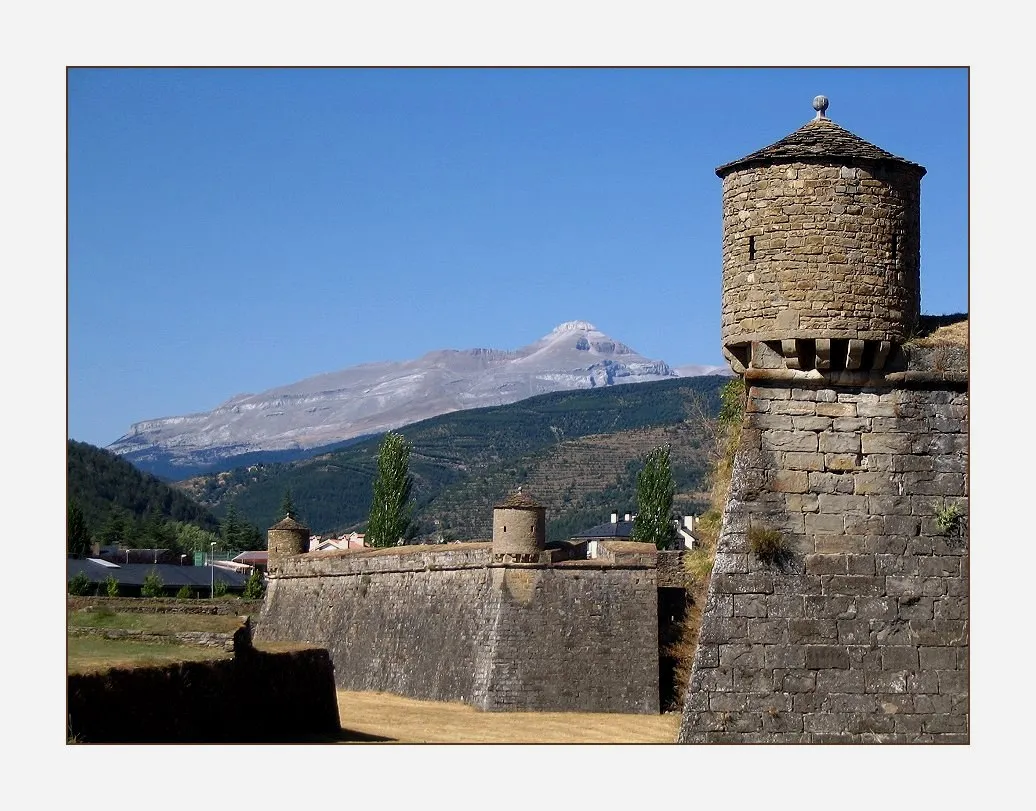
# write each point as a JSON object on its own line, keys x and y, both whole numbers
{"x": 285, "y": 538}
{"x": 821, "y": 252}
{"x": 519, "y": 529}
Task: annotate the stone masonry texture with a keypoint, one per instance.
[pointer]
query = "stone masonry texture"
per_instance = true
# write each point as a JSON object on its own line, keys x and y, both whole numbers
{"x": 447, "y": 625}
{"x": 820, "y": 250}
{"x": 860, "y": 635}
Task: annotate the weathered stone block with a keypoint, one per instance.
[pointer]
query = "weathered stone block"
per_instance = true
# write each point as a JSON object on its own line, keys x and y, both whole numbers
{"x": 723, "y": 630}
{"x": 833, "y": 723}
{"x": 803, "y": 630}
{"x": 839, "y": 442}
{"x": 769, "y": 631}
{"x": 794, "y": 681}
{"x": 747, "y": 605}
{"x": 857, "y": 524}
{"x": 790, "y": 481}
{"x": 939, "y": 566}
{"x": 941, "y": 658}
{"x": 809, "y": 423}
{"x": 895, "y": 657}
{"x": 881, "y": 505}
{"x": 954, "y": 682}
{"x": 797, "y": 441}
{"x": 945, "y": 723}
{"x": 785, "y": 656}
{"x": 916, "y": 608}
{"x": 826, "y": 564}
{"x": 837, "y": 503}
{"x": 784, "y": 605}
{"x": 853, "y": 585}
{"x": 870, "y": 483}
{"x": 802, "y": 502}
{"x": 887, "y": 443}
{"x": 830, "y": 483}
{"x": 883, "y": 608}
{"x": 834, "y": 544}
{"x": 886, "y": 681}
{"x": 841, "y": 462}
{"x": 819, "y": 524}
{"x": 824, "y": 409}
{"x": 820, "y": 657}
{"x": 907, "y": 525}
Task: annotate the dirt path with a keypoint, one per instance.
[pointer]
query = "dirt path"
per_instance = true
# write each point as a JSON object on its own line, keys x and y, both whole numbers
{"x": 382, "y": 716}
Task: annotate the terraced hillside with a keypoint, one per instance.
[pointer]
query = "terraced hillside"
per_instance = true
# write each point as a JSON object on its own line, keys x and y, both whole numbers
{"x": 579, "y": 481}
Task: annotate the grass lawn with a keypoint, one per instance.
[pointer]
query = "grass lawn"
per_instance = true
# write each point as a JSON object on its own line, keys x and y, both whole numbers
{"x": 88, "y": 654}
{"x": 382, "y": 716}
{"x": 153, "y": 623}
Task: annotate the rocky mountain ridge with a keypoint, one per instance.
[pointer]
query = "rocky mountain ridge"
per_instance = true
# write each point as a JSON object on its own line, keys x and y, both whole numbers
{"x": 371, "y": 398}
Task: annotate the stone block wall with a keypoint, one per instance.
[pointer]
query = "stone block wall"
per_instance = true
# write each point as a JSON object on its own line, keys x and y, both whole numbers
{"x": 570, "y": 638}
{"x": 860, "y": 633}
{"x": 824, "y": 265}
{"x": 448, "y": 625}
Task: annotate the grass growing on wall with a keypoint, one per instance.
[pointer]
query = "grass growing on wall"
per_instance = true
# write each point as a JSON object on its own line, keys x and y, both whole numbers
{"x": 724, "y": 437}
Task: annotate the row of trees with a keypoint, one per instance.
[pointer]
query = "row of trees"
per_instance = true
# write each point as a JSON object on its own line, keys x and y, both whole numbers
{"x": 121, "y": 528}
{"x": 391, "y": 516}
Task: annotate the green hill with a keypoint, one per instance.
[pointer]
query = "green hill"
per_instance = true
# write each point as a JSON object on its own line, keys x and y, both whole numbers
{"x": 577, "y": 452}
{"x": 120, "y": 504}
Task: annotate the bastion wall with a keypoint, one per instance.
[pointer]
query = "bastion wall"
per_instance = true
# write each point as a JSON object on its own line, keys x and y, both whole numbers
{"x": 450, "y": 625}
{"x": 860, "y": 633}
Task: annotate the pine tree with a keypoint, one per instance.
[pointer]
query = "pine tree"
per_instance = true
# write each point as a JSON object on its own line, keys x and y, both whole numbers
{"x": 287, "y": 506}
{"x": 391, "y": 510}
{"x": 655, "y": 493}
{"x": 77, "y": 539}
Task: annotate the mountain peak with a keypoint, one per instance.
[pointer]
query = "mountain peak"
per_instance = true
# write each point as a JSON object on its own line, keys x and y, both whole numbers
{"x": 573, "y": 326}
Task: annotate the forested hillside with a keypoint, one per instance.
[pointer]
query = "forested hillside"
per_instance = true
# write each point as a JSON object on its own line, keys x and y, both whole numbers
{"x": 576, "y": 451}
{"x": 121, "y": 505}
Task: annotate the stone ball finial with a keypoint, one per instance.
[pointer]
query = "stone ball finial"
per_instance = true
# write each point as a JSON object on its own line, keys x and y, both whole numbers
{"x": 820, "y": 104}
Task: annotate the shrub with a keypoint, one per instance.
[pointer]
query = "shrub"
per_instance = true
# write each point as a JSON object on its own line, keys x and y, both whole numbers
{"x": 79, "y": 584}
{"x": 949, "y": 517}
{"x": 768, "y": 545}
{"x": 184, "y": 593}
{"x": 111, "y": 586}
{"x": 219, "y": 588}
{"x": 255, "y": 587}
{"x": 152, "y": 585}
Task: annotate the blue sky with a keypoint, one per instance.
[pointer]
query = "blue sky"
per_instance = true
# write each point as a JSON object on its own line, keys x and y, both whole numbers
{"x": 230, "y": 230}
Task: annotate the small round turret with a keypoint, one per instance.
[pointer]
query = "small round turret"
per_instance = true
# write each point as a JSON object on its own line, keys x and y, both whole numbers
{"x": 285, "y": 538}
{"x": 821, "y": 250}
{"x": 519, "y": 529}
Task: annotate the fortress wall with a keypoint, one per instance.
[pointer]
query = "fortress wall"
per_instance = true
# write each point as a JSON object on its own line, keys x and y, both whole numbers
{"x": 405, "y": 622}
{"x": 862, "y": 636}
{"x": 444, "y": 625}
{"x": 571, "y": 638}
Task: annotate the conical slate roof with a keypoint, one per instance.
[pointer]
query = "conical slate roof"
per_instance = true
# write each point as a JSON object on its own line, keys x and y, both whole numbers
{"x": 289, "y": 523}
{"x": 820, "y": 139}
{"x": 519, "y": 501}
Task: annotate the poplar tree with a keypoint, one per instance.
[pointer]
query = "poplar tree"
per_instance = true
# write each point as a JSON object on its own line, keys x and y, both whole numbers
{"x": 391, "y": 510}
{"x": 655, "y": 492}
{"x": 77, "y": 538}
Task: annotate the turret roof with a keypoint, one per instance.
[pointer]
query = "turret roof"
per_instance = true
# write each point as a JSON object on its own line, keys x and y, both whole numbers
{"x": 519, "y": 501}
{"x": 289, "y": 523}
{"x": 816, "y": 140}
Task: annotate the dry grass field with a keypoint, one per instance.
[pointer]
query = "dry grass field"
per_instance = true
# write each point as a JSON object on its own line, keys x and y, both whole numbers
{"x": 381, "y": 716}
{"x": 88, "y": 654}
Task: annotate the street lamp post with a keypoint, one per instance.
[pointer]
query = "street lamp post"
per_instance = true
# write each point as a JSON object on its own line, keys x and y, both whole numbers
{"x": 212, "y": 575}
